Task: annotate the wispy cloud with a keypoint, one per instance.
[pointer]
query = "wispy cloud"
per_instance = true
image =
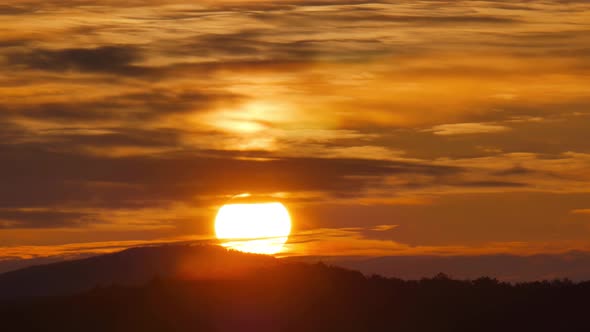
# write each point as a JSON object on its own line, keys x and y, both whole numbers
{"x": 467, "y": 128}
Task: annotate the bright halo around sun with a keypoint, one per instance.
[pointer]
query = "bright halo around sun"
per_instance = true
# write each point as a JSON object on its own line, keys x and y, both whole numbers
{"x": 261, "y": 228}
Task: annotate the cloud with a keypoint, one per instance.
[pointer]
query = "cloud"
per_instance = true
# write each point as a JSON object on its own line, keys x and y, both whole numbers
{"x": 150, "y": 180}
{"x": 360, "y": 241}
{"x": 383, "y": 228}
{"x": 118, "y": 59}
{"x": 14, "y": 10}
{"x": 258, "y": 45}
{"x": 363, "y": 15}
{"x": 514, "y": 171}
{"x": 467, "y": 129}
{"x": 11, "y": 255}
{"x": 110, "y": 121}
{"x": 113, "y": 111}
{"x": 491, "y": 184}
{"x": 16, "y": 219}
{"x": 581, "y": 211}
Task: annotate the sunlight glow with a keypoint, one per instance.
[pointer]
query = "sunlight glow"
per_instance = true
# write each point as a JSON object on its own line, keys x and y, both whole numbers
{"x": 261, "y": 228}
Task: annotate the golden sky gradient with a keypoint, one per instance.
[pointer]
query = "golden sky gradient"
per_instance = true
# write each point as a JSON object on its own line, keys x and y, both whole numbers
{"x": 386, "y": 127}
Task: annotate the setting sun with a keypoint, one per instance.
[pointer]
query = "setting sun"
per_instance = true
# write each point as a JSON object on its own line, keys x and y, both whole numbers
{"x": 261, "y": 228}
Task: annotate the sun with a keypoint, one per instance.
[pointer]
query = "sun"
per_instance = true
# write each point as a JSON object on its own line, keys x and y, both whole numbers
{"x": 261, "y": 228}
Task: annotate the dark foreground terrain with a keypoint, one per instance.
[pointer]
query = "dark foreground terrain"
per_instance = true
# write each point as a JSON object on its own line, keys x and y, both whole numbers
{"x": 276, "y": 296}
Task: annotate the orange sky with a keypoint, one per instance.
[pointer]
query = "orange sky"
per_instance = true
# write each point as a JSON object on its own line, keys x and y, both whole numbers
{"x": 387, "y": 127}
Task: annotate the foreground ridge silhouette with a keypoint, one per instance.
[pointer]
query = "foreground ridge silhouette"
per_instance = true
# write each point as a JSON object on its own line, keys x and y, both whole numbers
{"x": 230, "y": 291}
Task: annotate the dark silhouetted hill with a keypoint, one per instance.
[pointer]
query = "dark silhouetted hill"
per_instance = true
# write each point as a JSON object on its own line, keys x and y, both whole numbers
{"x": 135, "y": 266}
{"x": 257, "y": 293}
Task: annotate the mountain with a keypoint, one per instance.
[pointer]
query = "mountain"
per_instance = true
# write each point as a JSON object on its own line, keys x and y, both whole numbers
{"x": 211, "y": 289}
{"x": 573, "y": 265}
{"x": 135, "y": 266}
{"x": 178, "y": 288}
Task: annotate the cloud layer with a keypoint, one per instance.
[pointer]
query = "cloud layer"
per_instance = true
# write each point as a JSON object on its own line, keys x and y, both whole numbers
{"x": 136, "y": 121}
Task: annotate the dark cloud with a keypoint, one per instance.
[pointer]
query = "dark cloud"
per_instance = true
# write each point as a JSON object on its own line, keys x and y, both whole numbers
{"x": 40, "y": 219}
{"x": 114, "y": 137}
{"x": 118, "y": 59}
{"x": 516, "y": 170}
{"x": 34, "y": 177}
{"x": 491, "y": 184}
{"x": 443, "y": 19}
{"x": 364, "y": 15}
{"x": 542, "y": 44}
{"x": 10, "y": 132}
{"x": 511, "y": 6}
{"x": 286, "y": 5}
{"x": 15, "y": 10}
{"x": 132, "y": 107}
{"x": 12, "y": 43}
{"x": 258, "y": 45}
{"x": 272, "y": 65}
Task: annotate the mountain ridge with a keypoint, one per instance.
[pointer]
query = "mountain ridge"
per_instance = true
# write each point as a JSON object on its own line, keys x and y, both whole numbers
{"x": 133, "y": 266}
